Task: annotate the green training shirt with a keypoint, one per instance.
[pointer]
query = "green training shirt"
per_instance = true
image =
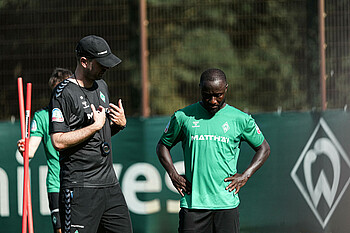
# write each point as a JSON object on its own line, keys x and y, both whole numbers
{"x": 211, "y": 146}
{"x": 40, "y": 128}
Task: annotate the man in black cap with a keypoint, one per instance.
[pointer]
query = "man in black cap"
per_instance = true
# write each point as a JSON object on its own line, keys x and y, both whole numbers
{"x": 82, "y": 121}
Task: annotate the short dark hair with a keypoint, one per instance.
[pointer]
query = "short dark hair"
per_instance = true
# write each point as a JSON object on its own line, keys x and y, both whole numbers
{"x": 213, "y": 74}
{"x": 58, "y": 75}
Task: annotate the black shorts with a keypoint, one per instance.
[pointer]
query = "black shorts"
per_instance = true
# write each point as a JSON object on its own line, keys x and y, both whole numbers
{"x": 54, "y": 209}
{"x": 208, "y": 221}
{"x": 91, "y": 210}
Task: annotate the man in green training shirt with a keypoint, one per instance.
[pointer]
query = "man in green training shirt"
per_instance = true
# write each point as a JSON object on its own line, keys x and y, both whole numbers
{"x": 40, "y": 132}
{"x": 211, "y": 132}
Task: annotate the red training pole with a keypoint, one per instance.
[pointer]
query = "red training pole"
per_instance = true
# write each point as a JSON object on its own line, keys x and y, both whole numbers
{"x": 28, "y": 112}
{"x": 23, "y": 130}
{"x": 21, "y": 106}
{"x": 27, "y": 215}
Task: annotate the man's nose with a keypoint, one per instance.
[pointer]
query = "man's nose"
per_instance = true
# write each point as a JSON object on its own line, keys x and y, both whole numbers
{"x": 212, "y": 100}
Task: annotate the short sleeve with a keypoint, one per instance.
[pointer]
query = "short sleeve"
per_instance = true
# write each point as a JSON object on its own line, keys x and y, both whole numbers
{"x": 252, "y": 134}
{"x": 37, "y": 126}
{"x": 59, "y": 112}
{"x": 172, "y": 132}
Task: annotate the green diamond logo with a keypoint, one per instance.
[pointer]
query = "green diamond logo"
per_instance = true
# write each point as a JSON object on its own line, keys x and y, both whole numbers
{"x": 102, "y": 96}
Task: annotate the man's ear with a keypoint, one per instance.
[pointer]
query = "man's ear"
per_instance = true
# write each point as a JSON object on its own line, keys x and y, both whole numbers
{"x": 83, "y": 62}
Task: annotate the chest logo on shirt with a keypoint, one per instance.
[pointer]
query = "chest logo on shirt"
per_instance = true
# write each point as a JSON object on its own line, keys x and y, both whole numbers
{"x": 102, "y": 96}
{"x": 85, "y": 104}
{"x": 225, "y": 127}
{"x": 195, "y": 124}
{"x": 57, "y": 115}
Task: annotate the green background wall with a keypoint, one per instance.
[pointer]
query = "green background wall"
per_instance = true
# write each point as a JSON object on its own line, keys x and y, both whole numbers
{"x": 271, "y": 201}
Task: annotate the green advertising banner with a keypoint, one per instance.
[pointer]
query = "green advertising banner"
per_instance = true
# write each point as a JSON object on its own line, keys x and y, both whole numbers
{"x": 303, "y": 186}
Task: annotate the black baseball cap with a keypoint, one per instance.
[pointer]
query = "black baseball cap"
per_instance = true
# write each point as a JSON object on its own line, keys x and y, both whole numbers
{"x": 95, "y": 47}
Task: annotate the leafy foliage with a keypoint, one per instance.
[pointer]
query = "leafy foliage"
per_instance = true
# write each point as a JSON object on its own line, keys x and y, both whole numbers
{"x": 256, "y": 43}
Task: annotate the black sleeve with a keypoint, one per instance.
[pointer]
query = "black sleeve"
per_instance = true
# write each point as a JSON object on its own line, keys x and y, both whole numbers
{"x": 59, "y": 112}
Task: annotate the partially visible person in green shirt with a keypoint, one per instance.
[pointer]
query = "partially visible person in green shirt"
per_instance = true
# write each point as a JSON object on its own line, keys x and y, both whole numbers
{"x": 39, "y": 132}
{"x": 211, "y": 133}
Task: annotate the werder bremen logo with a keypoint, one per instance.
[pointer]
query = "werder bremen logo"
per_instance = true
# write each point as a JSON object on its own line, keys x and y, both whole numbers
{"x": 225, "y": 127}
{"x": 322, "y": 172}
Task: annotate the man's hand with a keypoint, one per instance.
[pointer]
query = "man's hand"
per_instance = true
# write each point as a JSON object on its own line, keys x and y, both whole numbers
{"x": 181, "y": 184}
{"x": 116, "y": 114}
{"x": 20, "y": 145}
{"x": 34, "y": 143}
{"x": 237, "y": 182}
{"x": 99, "y": 117}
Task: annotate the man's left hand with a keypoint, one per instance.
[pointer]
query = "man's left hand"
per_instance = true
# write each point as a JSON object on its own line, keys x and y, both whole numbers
{"x": 116, "y": 114}
{"x": 237, "y": 182}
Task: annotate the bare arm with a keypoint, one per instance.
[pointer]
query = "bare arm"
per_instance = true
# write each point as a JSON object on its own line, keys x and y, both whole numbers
{"x": 62, "y": 141}
{"x": 262, "y": 152}
{"x": 34, "y": 143}
{"x": 180, "y": 183}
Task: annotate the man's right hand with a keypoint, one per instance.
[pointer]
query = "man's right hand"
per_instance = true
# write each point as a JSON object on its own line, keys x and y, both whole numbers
{"x": 20, "y": 145}
{"x": 99, "y": 116}
{"x": 181, "y": 184}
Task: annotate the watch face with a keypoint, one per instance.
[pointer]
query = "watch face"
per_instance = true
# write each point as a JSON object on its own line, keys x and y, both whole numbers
{"x": 105, "y": 149}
